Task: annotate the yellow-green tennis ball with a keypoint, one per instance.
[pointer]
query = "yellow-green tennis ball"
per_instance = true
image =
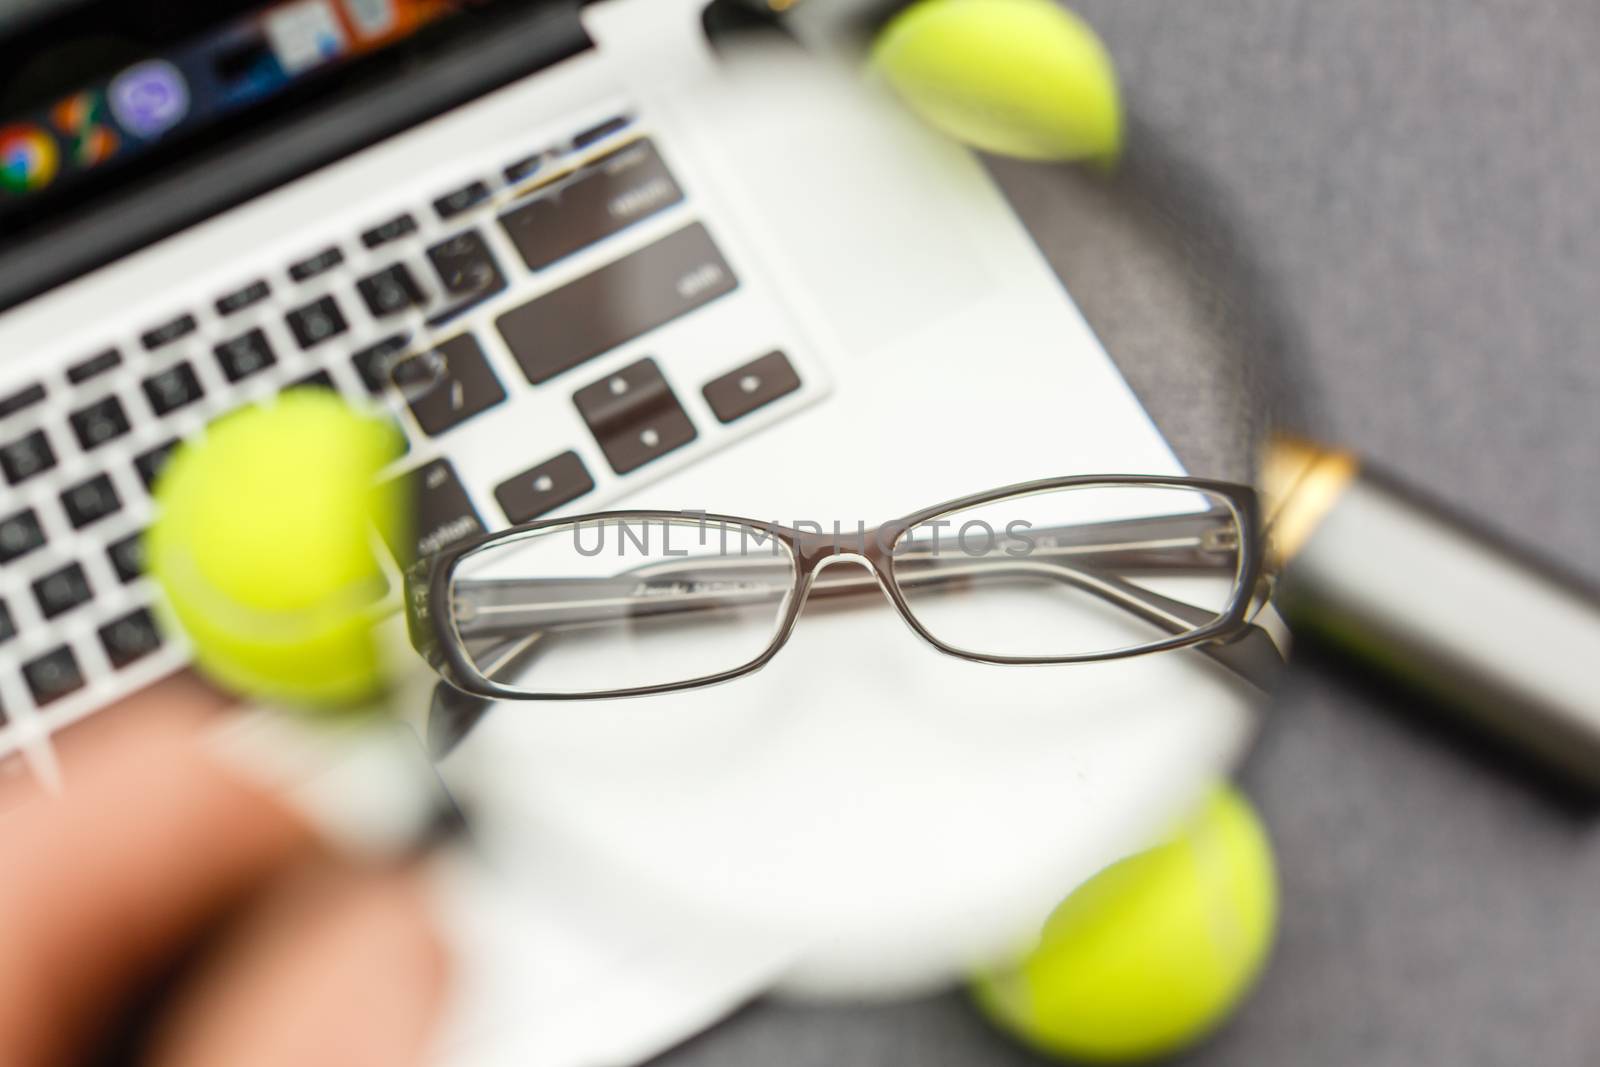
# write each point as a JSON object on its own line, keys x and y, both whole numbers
{"x": 262, "y": 545}
{"x": 1022, "y": 78}
{"x": 1154, "y": 952}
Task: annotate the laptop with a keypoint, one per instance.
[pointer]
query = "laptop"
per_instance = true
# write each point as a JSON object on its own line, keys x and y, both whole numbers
{"x": 206, "y": 204}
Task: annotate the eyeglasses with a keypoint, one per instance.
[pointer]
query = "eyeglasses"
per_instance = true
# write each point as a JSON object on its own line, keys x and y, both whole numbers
{"x": 628, "y": 603}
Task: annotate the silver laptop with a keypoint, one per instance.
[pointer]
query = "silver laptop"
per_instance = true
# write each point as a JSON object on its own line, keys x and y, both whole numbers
{"x": 659, "y": 274}
{"x": 206, "y": 204}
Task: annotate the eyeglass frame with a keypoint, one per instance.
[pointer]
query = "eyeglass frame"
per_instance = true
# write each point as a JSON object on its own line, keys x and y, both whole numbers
{"x": 434, "y": 635}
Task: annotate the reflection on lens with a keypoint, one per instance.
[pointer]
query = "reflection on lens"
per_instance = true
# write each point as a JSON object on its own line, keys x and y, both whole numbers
{"x": 622, "y": 602}
{"x": 414, "y": 377}
{"x": 1072, "y": 572}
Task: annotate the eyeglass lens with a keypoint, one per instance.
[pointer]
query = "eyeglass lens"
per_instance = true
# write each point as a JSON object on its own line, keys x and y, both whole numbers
{"x": 1068, "y": 572}
{"x": 620, "y": 603}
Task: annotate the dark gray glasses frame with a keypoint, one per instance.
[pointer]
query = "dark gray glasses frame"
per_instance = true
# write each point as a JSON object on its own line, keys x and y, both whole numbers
{"x": 1228, "y": 636}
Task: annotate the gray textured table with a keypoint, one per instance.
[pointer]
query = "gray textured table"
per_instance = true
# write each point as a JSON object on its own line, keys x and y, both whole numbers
{"x": 1381, "y": 217}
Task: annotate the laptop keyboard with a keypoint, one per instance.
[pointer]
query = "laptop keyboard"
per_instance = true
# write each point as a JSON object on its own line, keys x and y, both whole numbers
{"x": 81, "y": 449}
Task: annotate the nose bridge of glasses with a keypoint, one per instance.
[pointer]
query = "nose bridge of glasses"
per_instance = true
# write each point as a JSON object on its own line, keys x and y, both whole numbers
{"x": 817, "y": 548}
{"x": 854, "y": 574}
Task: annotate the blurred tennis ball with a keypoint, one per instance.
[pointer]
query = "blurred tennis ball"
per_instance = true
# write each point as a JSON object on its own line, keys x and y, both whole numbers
{"x": 1023, "y": 78}
{"x": 262, "y": 546}
{"x": 1152, "y": 953}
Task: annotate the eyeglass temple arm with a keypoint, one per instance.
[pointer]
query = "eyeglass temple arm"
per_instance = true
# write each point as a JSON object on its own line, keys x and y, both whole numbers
{"x": 512, "y": 639}
{"x": 1169, "y": 544}
{"x": 1252, "y": 656}
{"x": 1162, "y": 543}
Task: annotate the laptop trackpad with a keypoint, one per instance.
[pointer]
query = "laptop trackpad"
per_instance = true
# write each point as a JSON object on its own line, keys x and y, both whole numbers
{"x": 814, "y": 160}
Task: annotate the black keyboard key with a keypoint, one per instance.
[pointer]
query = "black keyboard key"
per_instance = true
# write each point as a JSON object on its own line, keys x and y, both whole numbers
{"x": 245, "y": 355}
{"x": 22, "y": 398}
{"x": 20, "y": 534}
{"x": 62, "y": 590}
{"x": 317, "y": 321}
{"x": 754, "y": 385}
{"x": 127, "y": 557}
{"x": 452, "y": 204}
{"x": 634, "y": 415}
{"x": 526, "y": 167}
{"x": 168, "y": 332}
{"x": 172, "y": 388}
{"x": 601, "y": 131}
{"x": 8, "y": 630}
{"x": 458, "y": 387}
{"x": 374, "y": 362}
{"x": 443, "y": 513}
{"x": 130, "y": 638}
{"x": 311, "y": 266}
{"x": 607, "y": 196}
{"x": 102, "y": 421}
{"x": 53, "y": 675}
{"x": 320, "y": 380}
{"x": 392, "y": 230}
{"x": 390, "y": 291}
{"x": 90, "y": 501}
{"x": 26, "y": 457}
{"x": 95, "y": 365}
{"x": 581, "y": 320}
{"x": 240, "y": 299}
{"x": 414, "y": 376}
{"x": 149, "y": 463}
{"x": 544, "y": 488}
{"x": 466, "y": 267}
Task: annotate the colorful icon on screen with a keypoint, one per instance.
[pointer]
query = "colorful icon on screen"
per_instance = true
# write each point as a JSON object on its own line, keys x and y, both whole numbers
{"x": 83, "y": 121}
{"x": 149, "y": 98}
{"x": 305, "y": 34}
{"x": 371, "y": 18}
{"x": 28, "y": 158}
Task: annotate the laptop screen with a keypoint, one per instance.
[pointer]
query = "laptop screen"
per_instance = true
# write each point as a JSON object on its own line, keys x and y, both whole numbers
{"x": 116, "y": 116}
{"x": 93, "y": 92}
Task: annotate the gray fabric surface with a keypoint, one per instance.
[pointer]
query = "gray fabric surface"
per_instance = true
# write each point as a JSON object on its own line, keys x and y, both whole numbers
{"x": 1379, "y": 219}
